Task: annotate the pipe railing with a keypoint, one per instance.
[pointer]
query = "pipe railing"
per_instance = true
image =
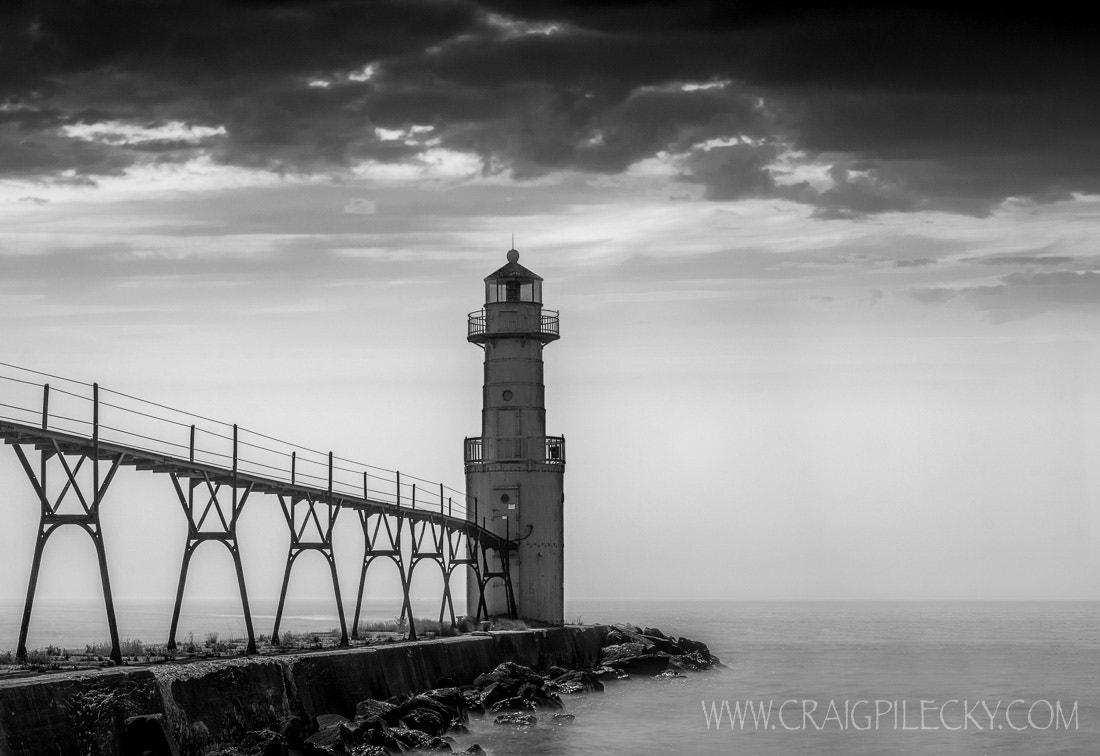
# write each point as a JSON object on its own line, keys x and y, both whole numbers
{"x": 548, "y": 450}
{"x": 55, "y": 403}
{"x": 477, "y": 324}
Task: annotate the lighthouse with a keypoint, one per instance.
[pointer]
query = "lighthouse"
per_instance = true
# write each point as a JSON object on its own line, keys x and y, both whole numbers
{"x": 514, "y": 471}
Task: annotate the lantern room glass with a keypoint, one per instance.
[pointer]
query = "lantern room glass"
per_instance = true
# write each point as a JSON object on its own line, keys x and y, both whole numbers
{"x": 513, "y": 290}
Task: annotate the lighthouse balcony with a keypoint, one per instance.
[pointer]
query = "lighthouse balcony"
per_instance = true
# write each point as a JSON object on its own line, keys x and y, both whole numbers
{"x": 548, "y": 450}
{"x": 543, "y": 325}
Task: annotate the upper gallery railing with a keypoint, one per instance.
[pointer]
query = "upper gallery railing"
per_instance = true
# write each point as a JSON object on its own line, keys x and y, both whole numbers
{"x": 546, "y": 327}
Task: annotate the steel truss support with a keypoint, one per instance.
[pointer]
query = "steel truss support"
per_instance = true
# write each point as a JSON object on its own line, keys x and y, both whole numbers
{"x": 472, "y": 562}
{"x": 214, "y": 512}
{"x": 438, "y": 542}
{"x": 426, "y": 538}
{"x": 220, "y": 529}
{"x": 87, "y": 518}
{"x": 307, "y": 533}
{"x": 383, "y": 540}
{"x": 487, "y": 573}
{"x": 458, "y": 550}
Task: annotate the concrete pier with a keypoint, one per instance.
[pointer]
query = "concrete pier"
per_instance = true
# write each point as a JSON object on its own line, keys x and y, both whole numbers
{"x": 207, "y": 702}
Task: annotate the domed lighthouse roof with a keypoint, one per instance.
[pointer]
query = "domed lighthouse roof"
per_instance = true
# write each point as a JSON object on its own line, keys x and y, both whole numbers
{"x": 513, "y": 270}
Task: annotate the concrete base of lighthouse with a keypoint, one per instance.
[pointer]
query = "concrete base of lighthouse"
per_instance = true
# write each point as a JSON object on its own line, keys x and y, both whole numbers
{"x": 523, "y": 501}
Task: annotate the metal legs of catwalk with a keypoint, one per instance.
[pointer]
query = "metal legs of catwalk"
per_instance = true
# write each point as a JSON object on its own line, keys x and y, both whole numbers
{"x": 71, "y": 457}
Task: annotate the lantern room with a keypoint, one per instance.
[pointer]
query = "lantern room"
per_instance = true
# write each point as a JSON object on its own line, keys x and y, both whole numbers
{"x": 513, "y": 283}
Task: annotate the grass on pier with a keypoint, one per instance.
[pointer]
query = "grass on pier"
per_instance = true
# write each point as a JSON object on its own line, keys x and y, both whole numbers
{"x": 134, "y": 651}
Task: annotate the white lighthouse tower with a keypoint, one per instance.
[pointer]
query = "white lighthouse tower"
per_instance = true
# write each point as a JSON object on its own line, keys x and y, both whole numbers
{"x": 514, "y": 469}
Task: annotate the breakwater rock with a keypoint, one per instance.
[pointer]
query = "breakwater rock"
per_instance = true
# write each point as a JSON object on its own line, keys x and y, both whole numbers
{"x": 649, "y": 651}
{"x": 365, "y": 701}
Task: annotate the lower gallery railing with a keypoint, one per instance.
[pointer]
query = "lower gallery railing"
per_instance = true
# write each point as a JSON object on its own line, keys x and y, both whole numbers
{"x": 545, "y": 449}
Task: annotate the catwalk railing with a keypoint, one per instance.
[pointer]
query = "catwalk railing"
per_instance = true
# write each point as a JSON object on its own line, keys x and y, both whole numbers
{"x": 50, "y": 402}
{"x": 214, "y": 467}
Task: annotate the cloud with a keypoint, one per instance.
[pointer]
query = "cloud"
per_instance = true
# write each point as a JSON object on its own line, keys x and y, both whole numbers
{"x": 116, "y": 133}
{"x": 734, "y": 171}
{"x": 933, "y": 294}
{"x": 1023, "y": 294}
{"x": 915, "y": 262}
{"x": 360, "y": 206}
{"x": 553, "y": 85}
{"x": 1026, "y": 260}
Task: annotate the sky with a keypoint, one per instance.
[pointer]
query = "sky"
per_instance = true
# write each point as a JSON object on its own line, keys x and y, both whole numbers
{"x": 828, "y": 282}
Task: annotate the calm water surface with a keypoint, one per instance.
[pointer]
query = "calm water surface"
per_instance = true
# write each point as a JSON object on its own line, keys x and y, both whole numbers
{"x": 1040, "y": 653}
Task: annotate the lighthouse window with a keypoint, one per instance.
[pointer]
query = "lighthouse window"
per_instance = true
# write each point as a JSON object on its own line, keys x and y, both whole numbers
{"x": 507, "y": 395}
{"x": 512, "y": 290}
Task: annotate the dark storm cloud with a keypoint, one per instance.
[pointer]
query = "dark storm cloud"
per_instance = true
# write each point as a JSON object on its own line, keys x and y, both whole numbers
{"x": 945, "y": 109}
{"x": 244, "y": 67}
{"x": 735, "y": 171}
{"x": 913, "y": 109}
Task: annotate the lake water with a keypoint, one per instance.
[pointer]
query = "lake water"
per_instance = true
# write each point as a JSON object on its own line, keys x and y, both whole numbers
{"x": 876, "y": 663}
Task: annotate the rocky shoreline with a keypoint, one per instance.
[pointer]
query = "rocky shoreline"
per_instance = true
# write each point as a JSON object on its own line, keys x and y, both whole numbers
{"x": 512, "y": 694}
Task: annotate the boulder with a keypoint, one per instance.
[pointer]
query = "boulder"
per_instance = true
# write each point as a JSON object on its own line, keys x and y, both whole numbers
{"x": 516, "y": 703}
{"x": 569, "y": 687}
{"x": 615, "y": 637}
{"x": 415, "y": 739}
{"x": 449, "y": 704}
{"x": 427, "y": 721}
{"x": 370, "y": 707}
{"x": 688, "y": 645}
{"x": 495, "y": 692}
{"x": 373, "y": 731}
{"x": 511, "y": 681}
{"x": 369, "y": 750}
{"x": 649, "y": 664}
{"x": 329, "y": 739}
{"x": 562, "y": 718}
{"x": 471, "y": 697}
{"x": 329, "y": 720}
{"x": 696, "y": 661}
{"x": 662, "y": 644}
{"x": 508, "y": 672}
{"x": 620, "y": 651}
{"x": 625, "y": 634}
{"x": 608, "y": 673}
{"x": 516, "y": 719}
{"x": 452, "y": 699}
{"x": 634, "y": 658}
{"x": 577, "y": 681}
